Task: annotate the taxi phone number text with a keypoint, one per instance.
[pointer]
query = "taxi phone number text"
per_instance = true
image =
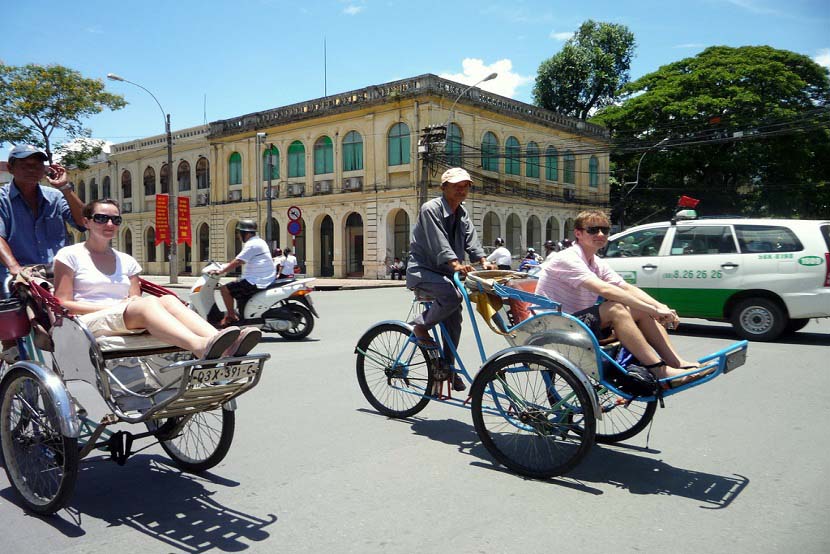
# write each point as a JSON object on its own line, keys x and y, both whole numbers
{"x": 694, "y": 274}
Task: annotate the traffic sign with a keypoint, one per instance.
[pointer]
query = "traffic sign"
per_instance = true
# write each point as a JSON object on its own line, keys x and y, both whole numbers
{"x": 294, "y": 213}
{"x": 294, "y": 227}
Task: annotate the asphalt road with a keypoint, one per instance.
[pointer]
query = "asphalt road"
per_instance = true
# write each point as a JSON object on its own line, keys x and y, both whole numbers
{"x": 738, "y": 465}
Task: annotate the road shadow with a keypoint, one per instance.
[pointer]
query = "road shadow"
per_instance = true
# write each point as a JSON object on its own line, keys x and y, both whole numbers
{"x": 158, "y": 500}
{"x": 803, "y": 338}
{"x": 622, "y": 466}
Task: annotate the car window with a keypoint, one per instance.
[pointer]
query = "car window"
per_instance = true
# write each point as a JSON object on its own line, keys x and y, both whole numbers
{"x": 645, "y": 242}
{"x": 767, "y": 238}
{"x": 825, "y": 232}
{"x": 703, "y": 239}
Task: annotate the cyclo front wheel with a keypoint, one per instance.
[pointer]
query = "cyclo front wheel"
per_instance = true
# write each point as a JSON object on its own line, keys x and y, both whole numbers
{"x": 201, "y": 443}
{"x": 621, "y": 420}
{"x": 393, "y": 372}
{"x": 41, "y": 463}
{"x": 533, "y": 415}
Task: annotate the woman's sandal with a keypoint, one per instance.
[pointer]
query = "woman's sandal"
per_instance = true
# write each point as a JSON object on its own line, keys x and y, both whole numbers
{"x": 681, "y": 381}
{"x": 426, "y": 343}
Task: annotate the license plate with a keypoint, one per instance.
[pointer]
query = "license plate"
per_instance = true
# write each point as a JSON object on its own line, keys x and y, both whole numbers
{"x": 735, "y": 360}
{"x": 229, "y": 372}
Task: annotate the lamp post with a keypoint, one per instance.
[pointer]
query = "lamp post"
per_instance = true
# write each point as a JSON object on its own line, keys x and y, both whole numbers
{"x": 172, "y": 206}
{"x": 462, "y": 93}
{"x": 269, "y": 224}
{"x": 636, "y": 181}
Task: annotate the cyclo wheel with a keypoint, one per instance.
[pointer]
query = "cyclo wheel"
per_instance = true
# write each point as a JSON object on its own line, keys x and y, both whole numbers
{"x": 41, "y": 463}
{"x": 202, "y": 442}
{"x": 306, "y": 322}
{"x": 620, "y": 421}
{"x": 393, "y": 373}
{"x": 533, "y": 415}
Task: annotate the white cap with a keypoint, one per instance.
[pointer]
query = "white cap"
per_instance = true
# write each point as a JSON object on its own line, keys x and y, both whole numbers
{"x": 455, "y": 175}
{"x": 26, "y": 150}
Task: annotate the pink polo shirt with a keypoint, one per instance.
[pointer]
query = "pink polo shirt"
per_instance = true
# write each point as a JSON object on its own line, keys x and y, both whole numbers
{"x": 562, "y": 276}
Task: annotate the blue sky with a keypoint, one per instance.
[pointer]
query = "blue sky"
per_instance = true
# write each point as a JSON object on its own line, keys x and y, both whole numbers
{"x": 250, "y": 55}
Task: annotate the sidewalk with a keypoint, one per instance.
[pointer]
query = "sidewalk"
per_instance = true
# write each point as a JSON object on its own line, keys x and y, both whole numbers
{"x": 320, "y": 283}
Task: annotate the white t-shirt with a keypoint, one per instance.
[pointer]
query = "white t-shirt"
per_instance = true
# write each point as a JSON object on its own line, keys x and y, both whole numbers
{"x": 259, "y": 266}
{"x": 279, "y": 260}
{"x": 288, "y": 265}
{"x": 90, "y": 284}
{"x": 500, "y": 256}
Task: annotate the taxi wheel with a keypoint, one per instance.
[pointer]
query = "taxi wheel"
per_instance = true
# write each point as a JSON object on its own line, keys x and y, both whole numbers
{"x": 759, "y": 319}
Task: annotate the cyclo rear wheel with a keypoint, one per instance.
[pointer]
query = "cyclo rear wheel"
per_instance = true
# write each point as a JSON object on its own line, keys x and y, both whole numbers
{"x": 41, "y": 463}
{"x": 621, "y": 420}
{"x": 201, "y": 443}
{"x": 393, "y": 373}
{"x": 533, "y": 415}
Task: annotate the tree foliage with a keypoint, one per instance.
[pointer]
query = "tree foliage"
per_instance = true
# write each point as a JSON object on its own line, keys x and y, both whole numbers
{"x": 748, "y": 130}
{"x": 588, "y": 72}
{"x": 36, "y": 100}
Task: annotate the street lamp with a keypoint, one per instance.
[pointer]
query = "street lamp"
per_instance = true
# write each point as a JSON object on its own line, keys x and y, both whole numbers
{"x": 636, "y": 181}
{"x": 172, "y": 207}
{"x": 462, "y": 93}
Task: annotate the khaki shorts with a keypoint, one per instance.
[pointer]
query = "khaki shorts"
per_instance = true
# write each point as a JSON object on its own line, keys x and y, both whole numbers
{"x": 108, "y": 322}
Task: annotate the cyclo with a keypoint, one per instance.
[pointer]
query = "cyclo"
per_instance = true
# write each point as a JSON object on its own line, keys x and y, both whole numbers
{"x": 187, "y": 405}
{"x": 538, "y": 405}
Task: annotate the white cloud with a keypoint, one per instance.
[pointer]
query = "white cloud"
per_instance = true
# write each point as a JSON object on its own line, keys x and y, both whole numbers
{"x": 95, "y": 30}
{"x": 352, "y": 9}
{"x": 823, "y": 58}
{"x": 564, "y": 35}
{"x": 689, "y": 45}
{"x": 754, "y": 7}
{"x": 474, "y": 69}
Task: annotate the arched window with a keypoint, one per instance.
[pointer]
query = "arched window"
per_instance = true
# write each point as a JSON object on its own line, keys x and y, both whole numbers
{"x": 552, "y": 229}
{"x": 126, "y": 185}
{"x": 164, "y": 179}
{"x": 274, "y": 163}
{"x": 551, "y": 164}
{"x": 512, "y": 152}
{"x": 569, "y": 169}
{"x": 202, "y": 174}
{"x": 82, "y": 191}
{"x": 235, "y": 169}
{"x": 128, "y": 242}
{"x": 204, "y": 242}
{"x": 296, "y": 159}
{"x": 149, "y": 181}
{"x": 452, "y": 149}
{"x": 492, "y": 228}
{"x": 323, "y": 156}
{"x": 534, "y": 233}
{"x": 490, "y": 152}
{"x": 398, "y": 144}
{"x": 514, "y": 234}
{"x": 593, "y": 172}
{"x": 150, "y": 244}
{"x": 106, "y": 188}
{"x": 532, "y": 160}
{"x": 183, "y": 176}
{"x": 93, "y": 190}
{"x": 352, "y": 151}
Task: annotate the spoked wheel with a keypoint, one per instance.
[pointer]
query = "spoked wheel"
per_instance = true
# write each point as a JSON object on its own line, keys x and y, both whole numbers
{"x": 533, "y": 415}
{"x": 620, "y": 421}
{"x": 393, "y": 372}
{"x": 201, "y": 443}
{"x": 41, "y": 463}
{"x": 304, "y": 319}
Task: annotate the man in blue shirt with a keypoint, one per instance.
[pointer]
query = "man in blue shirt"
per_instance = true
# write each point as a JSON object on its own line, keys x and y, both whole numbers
{"x": 440, "y": 239}
{"x": 32, "y": 216}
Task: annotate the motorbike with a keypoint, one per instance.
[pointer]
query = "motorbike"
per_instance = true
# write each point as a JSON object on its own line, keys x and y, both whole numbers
{"x": 285, "y": 307}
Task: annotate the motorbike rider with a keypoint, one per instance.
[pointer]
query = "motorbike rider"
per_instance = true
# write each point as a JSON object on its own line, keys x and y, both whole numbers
{"x": 257, "y": 269}
{"x": 501, "y": 255}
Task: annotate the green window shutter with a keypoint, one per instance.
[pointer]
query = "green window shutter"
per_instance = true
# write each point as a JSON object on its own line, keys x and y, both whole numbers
{"x": 552, "y": 164}
{"x": 398, "y": 144}
{"x": 235, "y": 169}
{"x": 490, "y": 152}
{"x": 275, "y": 170}
{"x": 569, "y": 175}
{"x": 452, "y": 148}
{"x": 532, "y": 162}
{"x": 593, "y": 172}
{"x": 512, "y": 151}
{"x": 323, "y": 156}
{"x": 352, "y": 151}
{"x": 296, "y": 159}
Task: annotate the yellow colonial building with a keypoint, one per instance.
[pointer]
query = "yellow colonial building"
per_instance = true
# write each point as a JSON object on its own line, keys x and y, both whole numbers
{"x": 357, "y": 165}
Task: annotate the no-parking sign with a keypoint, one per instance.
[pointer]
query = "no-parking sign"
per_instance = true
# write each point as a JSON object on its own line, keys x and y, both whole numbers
{"x": 294, "y": 227}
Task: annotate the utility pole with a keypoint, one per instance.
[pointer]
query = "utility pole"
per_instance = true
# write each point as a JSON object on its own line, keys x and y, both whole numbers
{"x": 429, "y": 136}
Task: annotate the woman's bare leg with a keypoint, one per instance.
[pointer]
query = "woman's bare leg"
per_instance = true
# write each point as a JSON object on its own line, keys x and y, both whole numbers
{"x": 188, "y": 317}
{"x": 148, "y": 313}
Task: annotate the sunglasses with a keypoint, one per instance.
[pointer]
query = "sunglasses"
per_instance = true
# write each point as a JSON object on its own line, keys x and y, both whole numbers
{"x": 103, "y": 218}
{"x": 596, "y": 229}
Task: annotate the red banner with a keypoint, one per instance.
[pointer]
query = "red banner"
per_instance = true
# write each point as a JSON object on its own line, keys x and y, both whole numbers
{"x": 183, "y": 226}
{"x": 162, "y": 219}
{"x": 687, "y": 202}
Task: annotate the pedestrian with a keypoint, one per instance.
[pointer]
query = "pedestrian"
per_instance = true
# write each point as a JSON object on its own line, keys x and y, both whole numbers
{"x": 278, "y": 258}
{"x": 501, "y": 255}
{"x": 33, "y": 216}
{"x": 397, "y": 270}
{"x": 286, "y": 269}
{"x": 442, "y": 235}
{"x": 550, "y": 249}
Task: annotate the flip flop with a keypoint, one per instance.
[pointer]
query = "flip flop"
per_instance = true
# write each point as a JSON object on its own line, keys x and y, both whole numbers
{"x": 220, "y": 342}
{"x": 245, "y": 342}
{"x": 678, "y": 382}
{"x": 428, "y": 344}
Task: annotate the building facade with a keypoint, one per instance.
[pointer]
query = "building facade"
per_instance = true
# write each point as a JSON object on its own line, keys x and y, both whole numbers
{"x": 358, "y": 165}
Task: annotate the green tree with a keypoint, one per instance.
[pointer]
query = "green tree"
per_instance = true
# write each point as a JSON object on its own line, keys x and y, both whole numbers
{"x": 588, "y": 72}
{"x": 36, "y": 100}
{"x": 748, "y": 130}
